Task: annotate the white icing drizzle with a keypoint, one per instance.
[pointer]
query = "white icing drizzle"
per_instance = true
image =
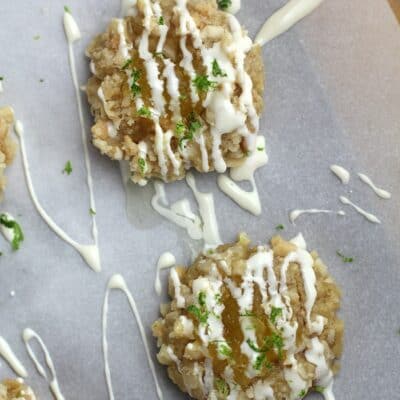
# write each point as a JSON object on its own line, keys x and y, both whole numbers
{"x": 173, "y": 357}
{"x": 111, "y": 130}
{"x": 296, "y": 213}
{"x": 71, "y": 28}
{"x": 370, "y": 217}
{"x": 283, "y": 19}
{"x": 102, "y": 98}
{"x": 229, "y": 378}
{"x": 73, "y": 34}
{"x": 341, "y": 173}
{"x": 305, "y": 261}
{"x": 187, "y": 59}
{"x": 163, "y": 29}
{"x": 172, "y": 88}
{"x": 243, "y": 45}
{"x": 90, "y": 253}
{"x": 324, "y": 376}
{"x": 204, "y": 153}
{"x": 123, "y": 45}
{"x": 207, "y": 212}
{"x": 27, "y": 336}
{"x": 10, "y": 357}
{"x": 244, "y": 296}
{"x": 234, "y": 7}
{"x": 249, "y": 201}
{"x": 176, "y": 163}
{"x": 92, "y": 67}
{"x": 296, "y": 383}
{"x": 299, "y": 241}
{"x": 117, "y": 282}
{"x": 156, "y": 84}
{"x": 166, "y": 260}
{"x": 180, "y": 213}
{"x": 180, "y": 300}
{"x": 384, "y": 194}
{"x": 159, "y": 142}
{"x": 213, "y": 329}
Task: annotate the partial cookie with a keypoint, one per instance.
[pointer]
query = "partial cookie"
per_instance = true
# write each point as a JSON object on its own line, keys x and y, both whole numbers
{"x": 178, "y": 85}
{"x": 7, "y": 145}
{"x": 15, "y": 390}
{"x": 251, "y": 323}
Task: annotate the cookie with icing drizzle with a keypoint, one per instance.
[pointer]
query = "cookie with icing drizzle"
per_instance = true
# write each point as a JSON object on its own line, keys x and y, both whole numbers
{"x": 252, "y": 323}
{"x": 177, "y": 85}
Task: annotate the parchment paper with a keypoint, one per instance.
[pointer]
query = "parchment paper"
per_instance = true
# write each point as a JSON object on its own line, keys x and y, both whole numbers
{"x": 333, "y": 96}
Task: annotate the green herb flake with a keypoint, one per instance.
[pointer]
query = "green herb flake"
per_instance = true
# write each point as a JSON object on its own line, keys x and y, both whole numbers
{"x": 68, "y": 168}
{"x": 136, "y": 74}
{"x": 142, "y": 165}
{"x": 18, "y": 235}
{"x": 201, "y": 315}
{"x": 268, "y": 365}
{"x": 224, "y": 4}
{"x": 248, "y": 314}
{"x": 302, "y": 394}
{"x": 144, "y": 112}
{"x": 159, "y": 54}
{"x": 260, "y": 148}
{"x": 127, "y": 63}
{"x": 222, "y": 387}
{"x": 92, "y": 212}
{"x": 203, "y": 84}
{"x": 275, "y": 313}
{"x": 1, "y": 78}
{"x": 202, "y": 299}
{"x": 41, "y": 80}
{"x": 319, "y": 389}
{"x": 259, "y": 361}
{"x": 36, "y": 37}
{"x": 161, "y": 21}
{"x": 344, "y": 258}
{"x": 273, "y": 342}
{"x": 218, "y": 298}
{"x": 200, "y": 312}
{"x": 253, "y": 346}
{"x": 225, "y": 350}
{"x": 67, "y": 9}
{"x": 135, "y": 88}
{"x": 194, "y": 125}
{"x": 216, "y": 69}
{"x": 280, "y": 227}
{"x": 180, "y": 129}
